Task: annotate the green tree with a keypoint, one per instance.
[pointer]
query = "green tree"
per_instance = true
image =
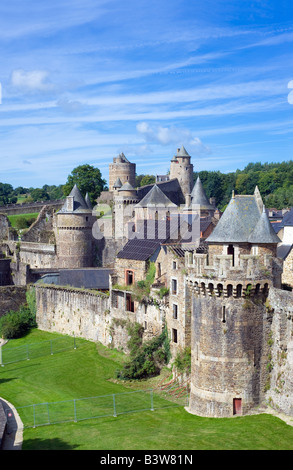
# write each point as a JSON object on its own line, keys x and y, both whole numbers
{"x": 88, "y": 179}
{"x": 147, "y": 179}
{"x": 39, "y": 194}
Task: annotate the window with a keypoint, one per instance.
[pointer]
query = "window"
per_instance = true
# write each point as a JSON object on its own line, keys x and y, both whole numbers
{"x": 129, "y": 303}
{"x": 174, "y": 265}
{"x": 175, "y": 311}
{"x": 174, "y": 335}
{"x": 174, "y": 286}
{"x": 230, "y": 251}
{"x": 129, "y": 277}
{"x": 224, "y": 314}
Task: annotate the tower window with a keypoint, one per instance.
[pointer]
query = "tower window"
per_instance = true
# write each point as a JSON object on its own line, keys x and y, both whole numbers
{"x": 175, "y": 311}
{"x": 174, "y": 335}
{"x": 174, "y": 286}
{"x": 224, "y": 314}
{"x": 129, "y": 277}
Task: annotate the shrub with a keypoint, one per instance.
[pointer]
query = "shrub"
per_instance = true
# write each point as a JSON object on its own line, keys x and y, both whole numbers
{"x": 182, "y": 360}
{"x": 147, "y": 358}
{"x": 16, "y": 324}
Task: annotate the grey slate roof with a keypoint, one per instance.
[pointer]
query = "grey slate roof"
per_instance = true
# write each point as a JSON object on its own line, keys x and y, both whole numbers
{"x": 243, "y": 222}
{"x": 126, "y": 187}
{"x": 283, "y": 251}
{"x": 171, "y": 189}
{"x": 198, "y": 196}
{"x": 288, "y": 218}
{"x": 263, "y": 231}
{"x": 117, "y": 183}
{"x": 89, "y": 278}
{"x": 79, "y": 204}
{"x": 182, "y": 152}
{"x": 155, "y": 197}
{"x": 88, "y": 201}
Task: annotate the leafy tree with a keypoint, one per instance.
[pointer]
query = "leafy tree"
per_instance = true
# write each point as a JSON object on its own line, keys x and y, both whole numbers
{"x": 88, "y": 179}
{"x": 39, "y": 194}
{"x": 147, "y": 179}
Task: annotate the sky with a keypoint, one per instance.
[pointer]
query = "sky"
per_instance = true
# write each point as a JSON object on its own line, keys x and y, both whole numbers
{"x": 84, "y": 80}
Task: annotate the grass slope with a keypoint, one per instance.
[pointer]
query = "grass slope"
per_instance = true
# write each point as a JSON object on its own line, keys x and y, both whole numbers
{"x": 85, "y": 372}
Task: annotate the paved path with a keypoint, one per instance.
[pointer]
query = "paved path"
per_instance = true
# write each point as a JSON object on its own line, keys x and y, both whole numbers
{"x": 12, "y": 440}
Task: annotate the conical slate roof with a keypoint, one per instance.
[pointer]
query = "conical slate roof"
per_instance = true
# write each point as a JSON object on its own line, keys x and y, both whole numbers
{"x": 198, "y": 196}
{"x": 242, "y": 221}
{"x": 126, "y": 187}
{"x": 79, "y": 204}
{"x": 118, "y": 183}
{"x": 88, "y": 201}
{"x": 237, "y": 222}
{"x": 182, "y": 152}
{"x": 155, "y": 197}
{"x": 263, "y": 231}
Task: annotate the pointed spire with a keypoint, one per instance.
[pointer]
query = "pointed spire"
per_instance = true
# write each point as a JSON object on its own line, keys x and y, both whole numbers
{"x": 88, "y": 201}
{"x": 198, "y": 196}
{"x": 155, "y": 197}
{"x": 263, "y": 231}
{"x": 77, "y": 202}
{"x": 258, "y": 199}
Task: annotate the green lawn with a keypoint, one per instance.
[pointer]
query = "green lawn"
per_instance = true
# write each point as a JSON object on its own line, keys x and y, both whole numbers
{"x": 13, "y": 218}
{"x": 88, "y": 371}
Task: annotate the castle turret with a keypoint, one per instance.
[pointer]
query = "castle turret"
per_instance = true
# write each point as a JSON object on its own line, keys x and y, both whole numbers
{"x": 73, "y": 232}
{"x": 182, "y": 169}
{"x": 125, "y": 199}
{"x": 121, "y": 171}
{"x": 230, "y": 322}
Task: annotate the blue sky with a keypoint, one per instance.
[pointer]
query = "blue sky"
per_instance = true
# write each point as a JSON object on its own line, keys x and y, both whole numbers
{"x": 83, "y": 80}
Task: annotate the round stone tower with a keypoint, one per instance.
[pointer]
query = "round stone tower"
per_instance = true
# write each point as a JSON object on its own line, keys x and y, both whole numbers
{"x": 121, "y": 170}
{"x": 73, "y": 232}
{"x": 231, "y": 321}
{"x": 182, "y": 169}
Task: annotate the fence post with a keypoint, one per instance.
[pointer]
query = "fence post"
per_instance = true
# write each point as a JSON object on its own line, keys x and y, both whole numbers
{"x": 1, "y": 363}
{"x": 152, "y": 400}
{"x": 114, "y": 405}
{"x": 48, "y": 413}
{"x": 34, "y": 412}
{"x": 75, "y": 420}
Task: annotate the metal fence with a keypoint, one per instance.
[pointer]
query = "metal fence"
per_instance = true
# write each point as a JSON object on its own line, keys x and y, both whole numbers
{"x": 92, "y": 407}
{"x": 12, "y": 354}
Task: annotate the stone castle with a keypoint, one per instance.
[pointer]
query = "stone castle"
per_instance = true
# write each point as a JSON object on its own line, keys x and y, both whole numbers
{"x": 217, "y": 280}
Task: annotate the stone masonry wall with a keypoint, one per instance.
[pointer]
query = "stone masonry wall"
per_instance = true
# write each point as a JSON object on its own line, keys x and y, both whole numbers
{"x": 280, "y": 393}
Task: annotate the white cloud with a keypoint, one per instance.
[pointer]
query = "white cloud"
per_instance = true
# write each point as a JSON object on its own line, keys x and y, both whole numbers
{"x": 34, "y": 80}
{"x": 171, "y": 135}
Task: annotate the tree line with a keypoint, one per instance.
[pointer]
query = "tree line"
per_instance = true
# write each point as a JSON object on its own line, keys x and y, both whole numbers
{"x": 274, "y": 180}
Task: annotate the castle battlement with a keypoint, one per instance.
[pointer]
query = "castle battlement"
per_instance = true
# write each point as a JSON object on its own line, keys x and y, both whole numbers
{"x": 253, "y": 274}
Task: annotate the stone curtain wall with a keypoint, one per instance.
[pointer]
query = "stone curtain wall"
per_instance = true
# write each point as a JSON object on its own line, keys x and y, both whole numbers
{"x": 72, "y": 311}
{"x": 11, "y": 298}
{"x": 280, "y": 393}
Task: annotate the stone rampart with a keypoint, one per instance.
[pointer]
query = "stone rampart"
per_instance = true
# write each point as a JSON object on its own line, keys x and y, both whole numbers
{"x": 29, "y": 207}
{"x": 72, "y": 311}
{"x": 280, "y": 362}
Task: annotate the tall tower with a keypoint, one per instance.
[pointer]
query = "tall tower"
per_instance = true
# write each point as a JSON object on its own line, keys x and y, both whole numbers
{"x": 182, "y": 169}
{"x": 125, "y": 199}
{"x": 122, "y": 171}
{"x": 230, "y": 322}
{"x": 73, "y": 232}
